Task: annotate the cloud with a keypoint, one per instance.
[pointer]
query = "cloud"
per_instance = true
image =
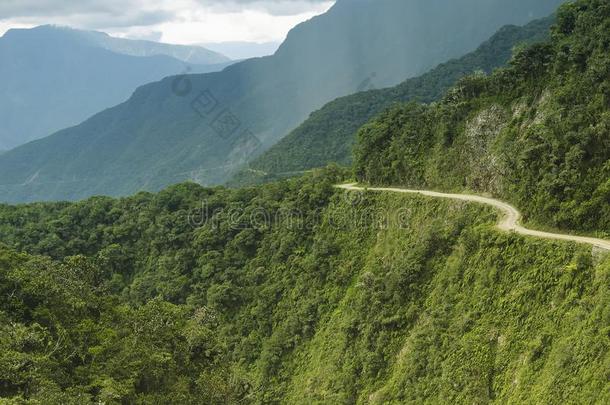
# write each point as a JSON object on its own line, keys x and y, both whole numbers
{"x": 39, "y": 8}
{"x": 178, "y": 21}
{"x": 92, "y": 14}
{"x": 273, "y": 7}
{"x": 149, "y": 36}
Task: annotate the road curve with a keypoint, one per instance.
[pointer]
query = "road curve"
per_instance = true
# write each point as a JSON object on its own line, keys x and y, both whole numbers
{"x": 509, "y": 223}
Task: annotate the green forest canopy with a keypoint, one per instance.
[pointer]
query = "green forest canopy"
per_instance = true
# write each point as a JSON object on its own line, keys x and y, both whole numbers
{"x": 139, "y": 300}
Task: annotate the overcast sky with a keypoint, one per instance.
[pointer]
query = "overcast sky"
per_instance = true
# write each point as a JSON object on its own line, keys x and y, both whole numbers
{"x": 173, "y": 21}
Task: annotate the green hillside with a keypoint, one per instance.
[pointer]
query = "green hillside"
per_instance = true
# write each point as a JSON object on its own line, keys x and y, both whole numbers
{"x": 335, "y": 299}
{"x": 534, "y": 133}
{"x": 328, "y": 135}
{"x": 204, "y": 128}
{"x": 296, "y": 292}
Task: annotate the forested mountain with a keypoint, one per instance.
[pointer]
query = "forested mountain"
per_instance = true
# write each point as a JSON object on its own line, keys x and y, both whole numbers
{"x": 297, "y": 292}
{"x": 294, "y": 293}
{"x": 204, "y": 127}
{"x": 328, "y": 135}
{"x": 535, "y": 133}
{"x": 53, "y": 77}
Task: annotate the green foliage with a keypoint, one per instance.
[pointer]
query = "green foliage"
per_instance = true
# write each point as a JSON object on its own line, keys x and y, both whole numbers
{"x": 328, "y": 135}
{"x": 338, "y": 298}
{"x": 534, "y": 133}
{"x": 64, "y": 338}
{"x": 297, "y": 292}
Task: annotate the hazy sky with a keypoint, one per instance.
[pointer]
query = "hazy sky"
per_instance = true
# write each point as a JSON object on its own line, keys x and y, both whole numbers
{"x": 174, "y": 21}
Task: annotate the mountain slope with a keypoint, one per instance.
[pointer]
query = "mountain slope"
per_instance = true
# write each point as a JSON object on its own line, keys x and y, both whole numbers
{"x": 328, "y": 134}
{"x": 157, "y": 137}
{"x": 295, "y": 293}
{"x": 534, "y": 134}
{"x": 55, "y": 77}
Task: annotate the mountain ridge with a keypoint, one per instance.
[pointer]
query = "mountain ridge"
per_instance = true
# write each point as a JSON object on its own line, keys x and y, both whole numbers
{"x": 261, "y": 95}
{"x": 194, "y": 54}
{"x": 298, "y": 292}
{"x": 533, "y": 133}
{"x": 79, "y": 79}
{"x": 329, "y": 134}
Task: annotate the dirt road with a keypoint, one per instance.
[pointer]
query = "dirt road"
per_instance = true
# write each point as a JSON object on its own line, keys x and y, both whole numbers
{"x": 509, "y": 223}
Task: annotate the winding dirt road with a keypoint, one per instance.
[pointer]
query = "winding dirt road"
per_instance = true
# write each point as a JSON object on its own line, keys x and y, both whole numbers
{"x": 509, "y": 223}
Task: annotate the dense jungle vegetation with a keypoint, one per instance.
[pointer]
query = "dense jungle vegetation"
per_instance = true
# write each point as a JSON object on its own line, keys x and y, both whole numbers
{"x": 535, "y": 133}
{"x": 293, "y": 292}
{"x": 296, "y": 292}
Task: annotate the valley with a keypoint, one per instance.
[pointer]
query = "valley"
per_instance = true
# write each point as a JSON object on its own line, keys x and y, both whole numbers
{"x": 407, "y": 203}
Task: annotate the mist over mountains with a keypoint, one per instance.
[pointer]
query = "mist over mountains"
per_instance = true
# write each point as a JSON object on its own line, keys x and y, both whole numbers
{"x": 158, "y": 138}
{"x": 238, "y": 50}
{"x": 328, "y": 135}
{"x": 457, "y": 253}
{"x": 56, "y": 77}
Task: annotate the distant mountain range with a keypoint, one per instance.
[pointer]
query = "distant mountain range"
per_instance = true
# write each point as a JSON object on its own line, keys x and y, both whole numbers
{"x": 302, "y": 292}
{"x": 55, "y": 77}
{"x": 197, "y": 55}
{"x": 205, "y": 127}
